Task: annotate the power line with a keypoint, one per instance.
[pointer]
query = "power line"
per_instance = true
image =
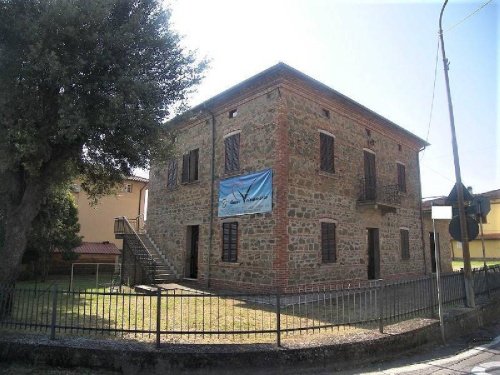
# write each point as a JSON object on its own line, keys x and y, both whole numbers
{"x": 469, "y": 16}
{"x": 433, "y": 94}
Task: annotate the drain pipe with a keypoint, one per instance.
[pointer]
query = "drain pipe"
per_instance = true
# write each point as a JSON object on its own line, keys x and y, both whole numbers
{"x": 212, "y": 203}
{"x": 421, "y": 213}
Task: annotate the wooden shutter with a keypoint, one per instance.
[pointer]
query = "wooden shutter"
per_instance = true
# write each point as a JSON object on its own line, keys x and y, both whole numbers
{"x": 328, "y": 243}
{"x": 230, "y": 242}
{"x": 232, "y": 153}
{"x": 185, "y": 168}
{"x": 193, "y": 165}
{"x": 370, "y": 175}
{"x": 405, "y": 244}
{"x": 401, "y": 177}
{"x": 326, "y": 153}
{"x": 172, "y": 174}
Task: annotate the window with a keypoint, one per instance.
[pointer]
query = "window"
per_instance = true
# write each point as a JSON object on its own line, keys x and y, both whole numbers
{"x": 328, "y": 243}
{"x": 127, "y": 188}
{"x": 190, "y": 166}
{"x": 326, "y": 113}
{"x": 172, "y": 174}
{"x": 405, "y": 243}
{"x": 326, "y": 153}
{"x": 401, "y": 177}
{"x": 230, "y": 242}
{"x": 233, "y": 113}
{"x": 232, "y": 153}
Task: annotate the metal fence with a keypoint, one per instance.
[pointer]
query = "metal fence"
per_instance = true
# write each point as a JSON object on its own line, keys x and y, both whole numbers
{"x": 170, "y": 315}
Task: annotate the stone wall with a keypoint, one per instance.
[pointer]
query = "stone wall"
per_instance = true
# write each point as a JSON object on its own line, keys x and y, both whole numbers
{"x": 279, "y": 128}
{"x": 315, "y": 196}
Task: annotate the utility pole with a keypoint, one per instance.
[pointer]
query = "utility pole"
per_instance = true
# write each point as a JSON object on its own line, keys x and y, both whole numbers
{"x": 469, "y": 283}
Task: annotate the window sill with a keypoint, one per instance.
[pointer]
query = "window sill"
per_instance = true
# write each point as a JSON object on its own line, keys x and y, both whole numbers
{"x": 191, "y": 182}
{"x": 328, "y": 264}
{"x": 229, "y": 264}
{"x": 327, "y": 174}
{"x": 232, "y": 173}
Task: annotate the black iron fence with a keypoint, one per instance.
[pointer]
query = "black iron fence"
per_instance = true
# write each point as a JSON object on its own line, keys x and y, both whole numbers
{"x": 180, "y": 315}
{"x": 373, "y": 191}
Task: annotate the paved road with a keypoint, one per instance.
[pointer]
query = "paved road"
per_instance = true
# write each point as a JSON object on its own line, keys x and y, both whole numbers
{"x": 478, "y": 353}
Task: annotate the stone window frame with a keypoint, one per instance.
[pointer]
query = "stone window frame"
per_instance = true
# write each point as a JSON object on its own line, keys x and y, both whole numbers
{"x": 238, "y": 167}
{"x": 327, "y": 133}
{"x": 401, "y": 178}
{"x": 404, "y": 243}
{"x": 238, "y": 236}
{"x": 335, "y": 239}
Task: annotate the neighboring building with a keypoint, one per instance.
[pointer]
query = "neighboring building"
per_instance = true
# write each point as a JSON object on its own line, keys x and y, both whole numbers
{"x": 491, "y": 229}
{"x": 96, "y": 222}
{"x": 282, "y": 183}
{"x": 88, "y": 252}
{"x": 442, "y": 233}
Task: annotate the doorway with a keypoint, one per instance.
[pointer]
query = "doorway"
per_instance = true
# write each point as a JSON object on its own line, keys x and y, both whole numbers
{"x": 373, "y": 253}
{"x": 370, "y": 186}
{"x": 193, "y": 233}
{"x": 432, "y": 243}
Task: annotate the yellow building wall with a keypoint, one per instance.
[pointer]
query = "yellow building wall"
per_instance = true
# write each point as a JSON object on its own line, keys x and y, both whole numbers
{"x": 97, "y": 222}
{"x": 491, "y": 228}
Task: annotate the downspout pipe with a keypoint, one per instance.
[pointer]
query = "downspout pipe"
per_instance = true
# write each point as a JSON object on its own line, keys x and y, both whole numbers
{"x": 212, "y": 199}
{"x": 422, "y": 235}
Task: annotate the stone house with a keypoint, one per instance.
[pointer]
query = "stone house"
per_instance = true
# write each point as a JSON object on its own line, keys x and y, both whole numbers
{"x": 344, "y": 200}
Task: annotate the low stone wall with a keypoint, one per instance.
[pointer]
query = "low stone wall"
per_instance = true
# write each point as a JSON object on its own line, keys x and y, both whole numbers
{"x": 327, "y": 352}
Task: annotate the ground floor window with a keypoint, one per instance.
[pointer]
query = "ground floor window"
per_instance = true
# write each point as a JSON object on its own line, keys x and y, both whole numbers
{"x": 328, "y": 243}
{"x": 405, "y": 243}
{"x": 230, "y": 242}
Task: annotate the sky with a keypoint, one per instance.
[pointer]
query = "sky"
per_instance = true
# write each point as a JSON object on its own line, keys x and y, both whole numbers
{"x": 381, "y": 54}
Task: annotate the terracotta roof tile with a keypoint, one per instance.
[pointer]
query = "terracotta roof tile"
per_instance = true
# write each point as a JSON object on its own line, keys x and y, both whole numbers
{"x": 96, "y": 248}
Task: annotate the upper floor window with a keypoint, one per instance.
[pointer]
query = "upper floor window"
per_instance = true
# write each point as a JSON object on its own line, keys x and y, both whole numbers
{"x": 127, "y": 188}
{"x": 190, "y": 166}
{"x": 230, "y": 242}
{"x": 172, "y": 174}
{"x": 405, "y": 243}
{"x": 401, "y": 177}
{"x": 328, "y": 242}
{"x": 232, "y": 153}
{"x": 326, "y": 153}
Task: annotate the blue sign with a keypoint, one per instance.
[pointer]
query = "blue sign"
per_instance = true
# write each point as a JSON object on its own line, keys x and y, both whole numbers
{"x": 248, "y": 194}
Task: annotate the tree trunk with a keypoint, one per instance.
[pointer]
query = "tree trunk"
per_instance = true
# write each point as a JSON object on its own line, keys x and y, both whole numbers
{"x": 17, "y": 223}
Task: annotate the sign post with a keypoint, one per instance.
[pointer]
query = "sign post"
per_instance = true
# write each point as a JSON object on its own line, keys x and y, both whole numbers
{"x": 439, "y": 213}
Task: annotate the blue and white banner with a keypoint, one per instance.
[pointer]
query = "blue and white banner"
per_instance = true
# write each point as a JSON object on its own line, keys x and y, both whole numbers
{"x": 248, "y": 194}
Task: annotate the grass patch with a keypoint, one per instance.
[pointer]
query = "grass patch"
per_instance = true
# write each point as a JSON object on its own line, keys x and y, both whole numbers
{"x": 459, "y": 264}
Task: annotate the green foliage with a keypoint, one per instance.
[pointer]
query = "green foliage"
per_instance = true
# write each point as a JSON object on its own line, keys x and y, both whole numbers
{"x": 85, "y": 87}
{"x": 56, "y": 226}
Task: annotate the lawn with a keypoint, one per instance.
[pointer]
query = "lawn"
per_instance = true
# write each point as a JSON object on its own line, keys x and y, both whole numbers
{"x": 184, "y": 316}
{"x": 458, "y": 264}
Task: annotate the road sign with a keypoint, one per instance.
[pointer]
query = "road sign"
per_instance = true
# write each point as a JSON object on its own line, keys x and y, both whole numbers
{"x": 456, "y": 233}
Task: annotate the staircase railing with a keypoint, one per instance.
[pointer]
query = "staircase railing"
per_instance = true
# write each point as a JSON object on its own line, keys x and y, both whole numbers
{"x": 123, "y": 227}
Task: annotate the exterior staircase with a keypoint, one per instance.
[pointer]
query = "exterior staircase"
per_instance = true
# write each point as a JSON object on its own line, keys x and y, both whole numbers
{"x": 164, "y": 272}
{"x": 141, "y": 251}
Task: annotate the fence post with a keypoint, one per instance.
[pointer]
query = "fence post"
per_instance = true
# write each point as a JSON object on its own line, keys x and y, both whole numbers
{"x": 158, "y": 317}
{"x": 431, "y": 289}
{"x": 54, "y": 313}
{"x": 278, "y": 319}
{"x": 381, "y": 308}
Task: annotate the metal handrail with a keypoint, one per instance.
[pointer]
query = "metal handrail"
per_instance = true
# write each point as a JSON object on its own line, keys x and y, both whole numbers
{"x": 389, "y": 194}
{"x": 129, "y": 229}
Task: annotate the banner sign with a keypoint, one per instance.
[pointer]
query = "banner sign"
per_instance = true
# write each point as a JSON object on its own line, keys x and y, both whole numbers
{"x": 248, "y": 194}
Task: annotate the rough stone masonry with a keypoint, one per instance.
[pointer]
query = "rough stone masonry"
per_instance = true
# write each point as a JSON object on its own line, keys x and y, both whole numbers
{"x": 369, "y": 197}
